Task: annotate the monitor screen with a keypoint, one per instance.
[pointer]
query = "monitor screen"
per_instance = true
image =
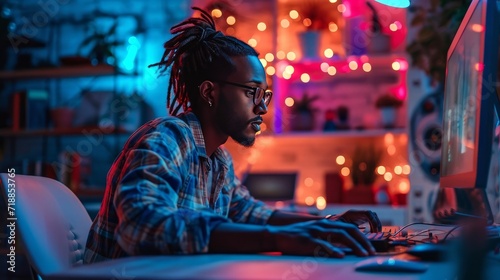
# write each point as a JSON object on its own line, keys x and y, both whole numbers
{"x": 469, "y": 115}
{"x": 469, "y": 99}
{"x": 271, "y": 186}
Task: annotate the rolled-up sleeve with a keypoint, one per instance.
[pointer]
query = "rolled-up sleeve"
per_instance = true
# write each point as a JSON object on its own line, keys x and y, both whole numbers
{"x": 146, "y": 201}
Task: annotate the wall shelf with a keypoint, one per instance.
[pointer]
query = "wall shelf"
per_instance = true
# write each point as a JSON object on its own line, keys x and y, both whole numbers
{"x": 75, "y": 131}
{"x": 59, "y": 72}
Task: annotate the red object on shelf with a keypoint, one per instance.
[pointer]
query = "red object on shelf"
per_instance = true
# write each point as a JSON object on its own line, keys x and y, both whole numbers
{"x": 359, "y": 195}
{"x": 399, "y": 199}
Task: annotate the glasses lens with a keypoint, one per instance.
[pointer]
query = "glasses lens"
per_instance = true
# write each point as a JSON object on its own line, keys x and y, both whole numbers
{"x": 259, "y": 94}
{"x": 267, "y": 97}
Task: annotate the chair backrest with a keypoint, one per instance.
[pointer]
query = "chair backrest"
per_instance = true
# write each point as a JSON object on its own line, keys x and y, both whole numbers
{"x": 51, "y": 221}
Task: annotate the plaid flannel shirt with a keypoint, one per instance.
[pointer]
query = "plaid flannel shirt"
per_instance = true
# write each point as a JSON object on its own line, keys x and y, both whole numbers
{"x": 156, "y": 200}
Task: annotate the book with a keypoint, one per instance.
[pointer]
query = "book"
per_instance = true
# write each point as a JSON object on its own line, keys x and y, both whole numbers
{"x": 30, "y": 109}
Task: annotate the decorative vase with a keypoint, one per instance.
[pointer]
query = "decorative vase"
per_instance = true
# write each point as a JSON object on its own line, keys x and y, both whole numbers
{"x": 309, "y": 43}
{"x": 388, "y": 117}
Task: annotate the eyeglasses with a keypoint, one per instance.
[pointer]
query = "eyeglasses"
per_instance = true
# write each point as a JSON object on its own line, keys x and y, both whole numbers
{"x": 258, "y": 93}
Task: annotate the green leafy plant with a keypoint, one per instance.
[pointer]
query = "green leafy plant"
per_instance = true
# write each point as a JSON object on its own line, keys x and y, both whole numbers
{"x": 305, "y": 104}
{"x": 438, "y": 25}
{"x": 388, "y": 100}
{"x": 102, "y": 44}
{"x": 365, "y": 160}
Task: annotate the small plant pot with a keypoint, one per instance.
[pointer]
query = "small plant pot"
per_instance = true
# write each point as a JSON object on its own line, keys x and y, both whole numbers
{"x": 62, "y": 117}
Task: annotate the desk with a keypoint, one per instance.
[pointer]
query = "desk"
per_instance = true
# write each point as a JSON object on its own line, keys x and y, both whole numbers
{"x": 253, "y": 267}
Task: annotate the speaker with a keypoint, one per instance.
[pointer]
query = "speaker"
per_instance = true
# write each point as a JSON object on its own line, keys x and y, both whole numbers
{"x": 425, "y": 108}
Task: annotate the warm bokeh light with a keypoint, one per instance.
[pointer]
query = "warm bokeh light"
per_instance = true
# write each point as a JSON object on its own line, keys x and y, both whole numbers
{"x": 289, "y": 102}
{"x": 252, "y": 42}
{"x": 479, "y": 66}
{"x": 269, "y": 57}
{"x": 345, "y": 171}
{"x": 287, "y": 76}
{"x": 393, "y": 27}
{"x": 341, "y": 8}
{"x": 333, "y": 27}
{"x": 388, "y": 139}
{"x": 340, "y": 160}
{"x": 398, "y": 170}
{"x": 216, "y": 13}
{"x": 367, "y": 67}
{"x": 328, "y": 53}
{"x": 261, "y": 26}
{"x": 332, "y": 71}
{"x": 230, "y": 31}
{"x": 406, "y": 169}
{"x": 391, "y": 150}
{"x": 396, "y": 66}
{"x": 404, "y": 187}
{"x": 281, "y": 55}
{"x": 388, "y": 176}
{"x": 364, "y": 58}
{"x": 271, "y": 70}
{"x": 324, "y": 66}
{"x": 285, "y": 23}
{"x": 380, "y": 170}
{"x": 308, "y": 182}
{"x": 289, "y": 69}
{"x": 263, "y": 62}
{"x": 231, "y": 20}
{"x": 293, "y": 14}
{"x": 263, "y": 127}
{"x": 309, "y": 201}
{"x": 353, "y": 65}
{"x": 333, "y": 1}
{"x": 320, "y": 203}
{"x": 305, "y": 78}
{"x": 476, "y": 27}
{"x": 307, "y": 22}
{"x": 291, "y": 56}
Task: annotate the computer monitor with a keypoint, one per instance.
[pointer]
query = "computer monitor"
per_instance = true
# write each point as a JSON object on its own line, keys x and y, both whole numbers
{"x": 469, "y": 108}
{"x": 271, "y": 187}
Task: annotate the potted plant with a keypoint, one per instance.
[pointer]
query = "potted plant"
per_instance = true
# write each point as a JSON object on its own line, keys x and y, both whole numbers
{"x": 437, "y": 26}
{"x": 102, "y": 44}
{"x": 387, "y": 105}
{"x": 365, "y": 160}
{"x": 315, "y": 17}
{"x": 302, "y": 118}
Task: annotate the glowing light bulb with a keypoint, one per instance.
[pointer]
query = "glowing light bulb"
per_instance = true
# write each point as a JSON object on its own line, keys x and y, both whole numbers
{"x": 345, "y": 171}
{"x": 231, "y": 20}
{"x": 289, "y": 102}
{"x": 340, "y": 160}
{"x": 305, "y": 78}
{"x": 261, "y": 26}
{"x": 381, "y": 170}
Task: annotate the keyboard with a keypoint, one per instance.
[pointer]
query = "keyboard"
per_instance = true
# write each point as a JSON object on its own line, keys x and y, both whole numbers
{"x": 379, "y": 240}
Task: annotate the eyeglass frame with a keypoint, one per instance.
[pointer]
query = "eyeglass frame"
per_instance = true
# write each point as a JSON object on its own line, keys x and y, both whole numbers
{"x": 254, "y": 93}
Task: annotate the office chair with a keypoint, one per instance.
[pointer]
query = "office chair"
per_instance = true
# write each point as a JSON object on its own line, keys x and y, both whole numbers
{"x": 51, "y": 222}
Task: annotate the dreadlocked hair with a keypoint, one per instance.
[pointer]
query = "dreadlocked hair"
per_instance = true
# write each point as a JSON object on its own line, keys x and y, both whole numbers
{"x": 196, "y": 53}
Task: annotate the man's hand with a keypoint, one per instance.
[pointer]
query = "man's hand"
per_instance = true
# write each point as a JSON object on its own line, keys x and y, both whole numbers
{"x": 320, "y": 238}
{"x": 359, "y": 217}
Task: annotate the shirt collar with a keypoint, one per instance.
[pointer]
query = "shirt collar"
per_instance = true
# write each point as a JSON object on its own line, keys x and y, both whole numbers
{"x": 192, "y": 121}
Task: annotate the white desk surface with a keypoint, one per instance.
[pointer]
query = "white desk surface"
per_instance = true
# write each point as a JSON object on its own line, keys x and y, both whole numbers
{"x": 255, "y": 267}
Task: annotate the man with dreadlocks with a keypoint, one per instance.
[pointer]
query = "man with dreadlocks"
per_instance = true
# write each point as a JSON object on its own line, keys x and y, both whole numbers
{"x": 172, "y": 189}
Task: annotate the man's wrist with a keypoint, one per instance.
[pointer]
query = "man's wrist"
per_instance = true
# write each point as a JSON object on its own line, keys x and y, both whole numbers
{"x": 268, "y": 242}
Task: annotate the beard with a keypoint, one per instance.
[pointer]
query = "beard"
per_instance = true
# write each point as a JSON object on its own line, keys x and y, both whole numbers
{"x": 231, "y": 123}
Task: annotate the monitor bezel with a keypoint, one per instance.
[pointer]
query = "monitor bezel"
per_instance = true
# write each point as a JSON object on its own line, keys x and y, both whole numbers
{"x": 477, "y": 178}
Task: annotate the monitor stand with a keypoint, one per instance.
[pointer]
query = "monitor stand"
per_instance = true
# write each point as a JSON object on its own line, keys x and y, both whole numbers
{"x": 454, "y": 206}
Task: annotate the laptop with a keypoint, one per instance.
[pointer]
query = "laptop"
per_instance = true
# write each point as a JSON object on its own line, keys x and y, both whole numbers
{"x": 272, "y": 187}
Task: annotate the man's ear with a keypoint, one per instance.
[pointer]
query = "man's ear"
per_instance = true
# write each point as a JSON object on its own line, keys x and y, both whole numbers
{"x": 207, "y": 92}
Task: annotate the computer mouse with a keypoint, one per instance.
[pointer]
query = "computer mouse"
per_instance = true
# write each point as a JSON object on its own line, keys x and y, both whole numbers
{"x": 429, "y": 251}
{"x": 389, "y": 265}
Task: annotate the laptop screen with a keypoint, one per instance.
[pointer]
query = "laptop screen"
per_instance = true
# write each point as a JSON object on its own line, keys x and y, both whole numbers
{"x": 271, "y": 186}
